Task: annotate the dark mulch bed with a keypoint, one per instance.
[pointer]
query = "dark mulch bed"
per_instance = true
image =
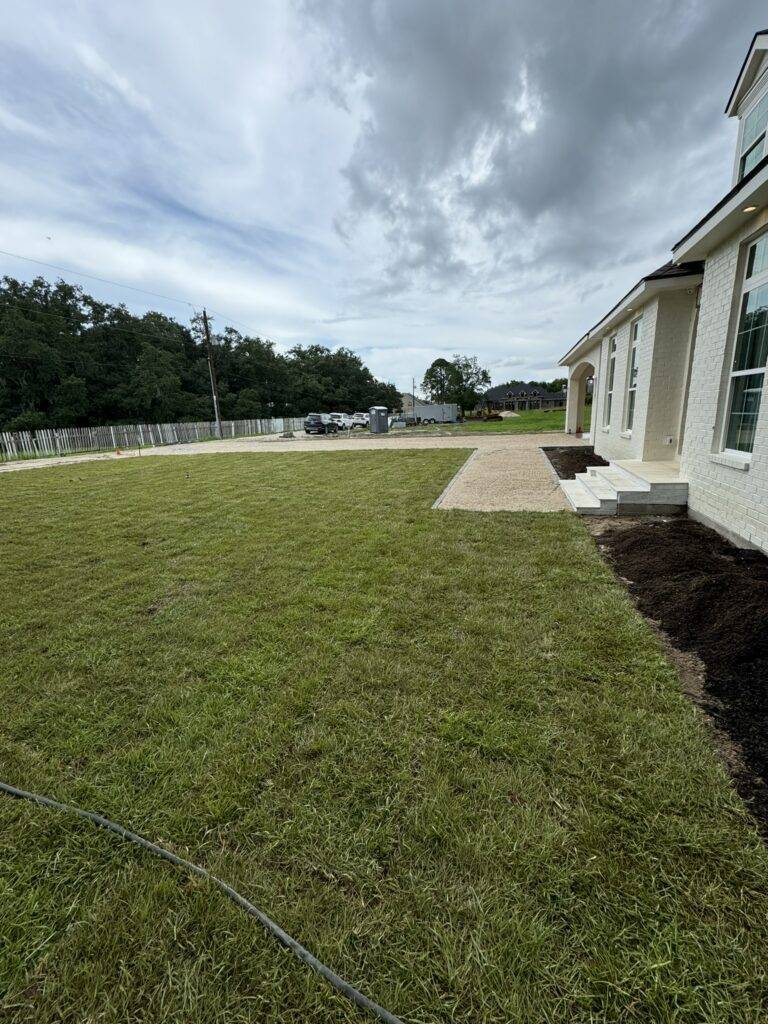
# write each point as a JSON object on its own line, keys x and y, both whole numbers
{"x": 567, "y": 462}
{"x": 710, "y": 598}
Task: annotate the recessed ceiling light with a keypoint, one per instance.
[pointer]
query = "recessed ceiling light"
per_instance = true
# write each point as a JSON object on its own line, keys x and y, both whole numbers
{"x": 749, "y": 209}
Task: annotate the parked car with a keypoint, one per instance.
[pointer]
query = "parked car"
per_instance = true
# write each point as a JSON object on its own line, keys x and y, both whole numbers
{"x": 320, "y": 423}
{"x": 397, "y": 421}
{"x": 361, "y": 419}
{"x": 342, "y": 420}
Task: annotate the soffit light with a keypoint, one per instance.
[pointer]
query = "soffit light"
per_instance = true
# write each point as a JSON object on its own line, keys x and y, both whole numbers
{"x": 749, "y": 209}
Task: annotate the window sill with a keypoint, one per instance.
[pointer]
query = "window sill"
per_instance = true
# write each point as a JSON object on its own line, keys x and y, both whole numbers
{"x": 733, "y": 461}
{"x": 626, "y": 433}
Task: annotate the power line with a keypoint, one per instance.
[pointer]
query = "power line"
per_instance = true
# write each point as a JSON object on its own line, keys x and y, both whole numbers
{"x": 93, "y": 277}
{"x": 232, "y": 320}
{"x": 119, "y": 284}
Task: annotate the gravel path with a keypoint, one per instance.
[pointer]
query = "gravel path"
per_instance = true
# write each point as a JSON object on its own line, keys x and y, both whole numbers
{"x": 503, "y": 473}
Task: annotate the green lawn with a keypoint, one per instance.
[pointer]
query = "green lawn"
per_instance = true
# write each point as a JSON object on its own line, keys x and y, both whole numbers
{"x": 529, "y": 422}
{"x": 440, "y": 748}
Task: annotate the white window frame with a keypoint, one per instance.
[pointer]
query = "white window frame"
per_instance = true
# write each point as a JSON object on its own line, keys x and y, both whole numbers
{"x": 761, "y": 140}
{"x": 748, "y": 284}
{"x": 610, "y": 382}
{"x": 635, "y": 329}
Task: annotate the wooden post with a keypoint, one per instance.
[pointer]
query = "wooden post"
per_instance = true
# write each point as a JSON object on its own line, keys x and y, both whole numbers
{"x": 212, "y": 371}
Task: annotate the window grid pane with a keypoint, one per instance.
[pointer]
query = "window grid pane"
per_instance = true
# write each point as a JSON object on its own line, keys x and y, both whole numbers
{"x": 752, "y": 157}
{"x": 633, "y": 369}
{"x": 752, "y": 340}
{"x": 758, "y": 257}
{"x": 754, "y": 123}
{"x": 630, "y": 409}
{"x": 746, "y": 392}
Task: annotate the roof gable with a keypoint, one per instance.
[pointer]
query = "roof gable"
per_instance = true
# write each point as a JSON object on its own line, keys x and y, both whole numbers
{"x": 749, "y": 71}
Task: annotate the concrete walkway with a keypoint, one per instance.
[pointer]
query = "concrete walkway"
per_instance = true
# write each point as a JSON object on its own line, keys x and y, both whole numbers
{"x": 504, "y": 472}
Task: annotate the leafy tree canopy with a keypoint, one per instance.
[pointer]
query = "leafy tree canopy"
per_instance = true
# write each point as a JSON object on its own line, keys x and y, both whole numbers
{"x": 547, "y": 385}
{"x": 461, "y": 380}
{"x": 67, "y": 359}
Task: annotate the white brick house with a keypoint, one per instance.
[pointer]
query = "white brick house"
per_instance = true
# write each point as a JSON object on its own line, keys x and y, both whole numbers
{"x": 679, "y": 364}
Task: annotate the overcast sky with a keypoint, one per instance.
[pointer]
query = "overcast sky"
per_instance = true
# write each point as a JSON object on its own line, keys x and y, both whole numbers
{"x": 410, "y": 178}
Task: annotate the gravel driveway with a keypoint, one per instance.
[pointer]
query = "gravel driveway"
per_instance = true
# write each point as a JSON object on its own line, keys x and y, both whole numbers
{"x": 503, "y": 472}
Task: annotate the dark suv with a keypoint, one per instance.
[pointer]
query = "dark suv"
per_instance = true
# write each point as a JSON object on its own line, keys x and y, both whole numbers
{"x": 320, "y": 423}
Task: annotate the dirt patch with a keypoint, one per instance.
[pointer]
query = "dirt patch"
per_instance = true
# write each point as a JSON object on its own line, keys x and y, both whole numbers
{"x": 711, "y": 599}
{"x": 567, "y": 462}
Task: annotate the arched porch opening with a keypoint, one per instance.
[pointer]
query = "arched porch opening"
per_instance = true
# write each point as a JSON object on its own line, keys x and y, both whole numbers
{"x": 581, "y": 381}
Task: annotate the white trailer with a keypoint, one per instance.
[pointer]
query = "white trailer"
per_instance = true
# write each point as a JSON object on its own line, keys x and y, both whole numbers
{"x": 448, "y": 412}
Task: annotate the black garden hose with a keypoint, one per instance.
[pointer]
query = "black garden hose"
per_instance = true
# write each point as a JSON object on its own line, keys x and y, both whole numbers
{"x": 274, "y": 929}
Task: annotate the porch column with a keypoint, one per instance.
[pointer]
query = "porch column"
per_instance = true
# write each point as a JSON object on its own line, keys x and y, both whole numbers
{"x": 572, "y": 403}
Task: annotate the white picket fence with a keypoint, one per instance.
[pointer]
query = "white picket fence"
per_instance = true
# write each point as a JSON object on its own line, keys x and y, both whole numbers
{"x": 32, "y": 444}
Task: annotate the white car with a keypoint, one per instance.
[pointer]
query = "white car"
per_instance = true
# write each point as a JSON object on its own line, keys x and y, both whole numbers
{"x": 397, "y": 421}
{"x": 361, "y": 419}
{"x": 342, "y": 420}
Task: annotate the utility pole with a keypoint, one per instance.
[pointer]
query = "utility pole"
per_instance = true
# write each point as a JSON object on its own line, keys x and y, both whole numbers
{"x": 413, "y": 396}
{"x": 212, "y": 370}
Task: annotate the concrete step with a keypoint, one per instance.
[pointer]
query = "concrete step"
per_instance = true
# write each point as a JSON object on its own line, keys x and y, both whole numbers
{"x": 663, "y": 480}
{"x": 601, "y": 489}
{"x": 622, "y": 482}
{"x": 628, "y": 488}
{"x": 580, "y": 499}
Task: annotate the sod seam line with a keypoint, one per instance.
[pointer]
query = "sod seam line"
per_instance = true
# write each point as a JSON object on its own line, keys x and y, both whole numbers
{"x": 303, "y": 954}
{"x": 444, "y": 493}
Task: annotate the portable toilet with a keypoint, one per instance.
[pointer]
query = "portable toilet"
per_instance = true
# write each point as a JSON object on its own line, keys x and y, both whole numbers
{"x": 379, "y": 419}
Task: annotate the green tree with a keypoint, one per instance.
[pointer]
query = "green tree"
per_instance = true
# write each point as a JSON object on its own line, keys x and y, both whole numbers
{"x": 442, "y": 381}
{"x": 473, "y": 380}
{"x": 68, "y": 359}
{"x": 461, "y": 380}
{"x": 70, "y": 402}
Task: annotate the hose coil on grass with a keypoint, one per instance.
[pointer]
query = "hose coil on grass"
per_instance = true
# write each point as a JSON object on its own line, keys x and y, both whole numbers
{"x": 271, "y": 926}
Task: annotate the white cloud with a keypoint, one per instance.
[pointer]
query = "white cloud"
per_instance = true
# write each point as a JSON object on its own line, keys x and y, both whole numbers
{"x": 106, "y": 74}
{"x": 10, "y": 122}
{"x": 501, "y": 173}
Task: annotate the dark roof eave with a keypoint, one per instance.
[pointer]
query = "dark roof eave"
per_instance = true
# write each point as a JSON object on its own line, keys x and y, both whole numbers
{"x": 669, "y": 270}
{"x": 724, "y": 201}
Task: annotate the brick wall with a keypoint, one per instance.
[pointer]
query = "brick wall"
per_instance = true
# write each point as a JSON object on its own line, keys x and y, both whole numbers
{"x": 733, "y": 500}
{"x": 612, "y": 441}
{"x": 676, "y": 310}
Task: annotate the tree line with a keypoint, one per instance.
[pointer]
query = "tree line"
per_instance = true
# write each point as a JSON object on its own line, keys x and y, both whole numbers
{"x": 558, "y": 384}
{"x": 67, "y": 359}
{"x": 464, "y": 381}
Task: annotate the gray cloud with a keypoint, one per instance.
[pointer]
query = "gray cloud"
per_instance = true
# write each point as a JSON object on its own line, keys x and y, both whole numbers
{"x": 512, "y": 138}
{"x": 409, "y": 178}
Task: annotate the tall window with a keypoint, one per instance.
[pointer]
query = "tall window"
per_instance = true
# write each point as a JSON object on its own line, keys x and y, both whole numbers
{"x": 634, "y": 337}
{"x": 753, "y": 137}
{"x": 750, "y": 353}
{"x": 609, "y": 381}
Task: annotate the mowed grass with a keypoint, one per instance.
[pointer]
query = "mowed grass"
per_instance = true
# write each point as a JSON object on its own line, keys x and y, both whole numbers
{"x": 530, "y": 421}
{"x": 440, "y": 748}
